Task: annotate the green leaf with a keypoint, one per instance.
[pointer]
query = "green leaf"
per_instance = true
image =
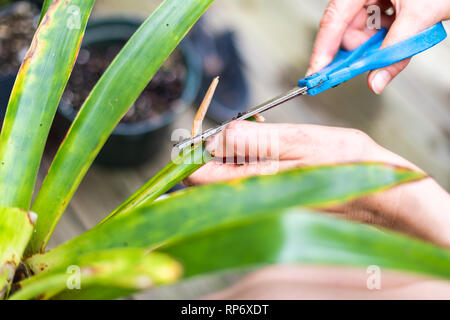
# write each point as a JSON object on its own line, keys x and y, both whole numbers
{"x": 195, "y": 210}
{"x": 35, "y": 97}
{"x": 115, "y": 92}
{"x": 296, "y": 236}
{"x": 178, "y": 169}
{"x": 45, "y": 7}
{"x": 117, "y": 272}
{"x": 16, "y": 226}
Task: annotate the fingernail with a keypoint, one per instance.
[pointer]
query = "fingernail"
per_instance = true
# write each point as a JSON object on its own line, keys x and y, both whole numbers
{"x": 380, "y": 81}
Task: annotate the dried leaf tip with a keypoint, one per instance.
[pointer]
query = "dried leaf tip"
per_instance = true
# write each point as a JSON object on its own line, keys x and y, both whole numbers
{"x": 259, "y": 118}
{"x": 201, "y": 113}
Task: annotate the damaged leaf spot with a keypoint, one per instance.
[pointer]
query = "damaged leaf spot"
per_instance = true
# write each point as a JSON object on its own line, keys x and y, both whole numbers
{"x": 32, "y": 217}
{"x": 30, "y": 53}
{"x": 43, "y": 266}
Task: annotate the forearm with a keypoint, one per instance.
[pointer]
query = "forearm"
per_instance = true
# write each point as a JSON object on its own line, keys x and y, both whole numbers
{"x": 420, "y": 208}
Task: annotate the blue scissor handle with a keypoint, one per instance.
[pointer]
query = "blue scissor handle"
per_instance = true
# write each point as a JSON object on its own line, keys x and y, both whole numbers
{"x": 368, "y": 56}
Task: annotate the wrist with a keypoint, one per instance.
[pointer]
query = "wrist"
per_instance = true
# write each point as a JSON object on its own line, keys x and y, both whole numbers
{"x": 419, "y": 208}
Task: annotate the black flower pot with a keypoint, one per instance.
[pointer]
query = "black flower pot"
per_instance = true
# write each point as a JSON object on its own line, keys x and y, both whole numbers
{"x": 6, "y": 85}
{"x": 132, "y": 144}
{"x": 18, "y": 20}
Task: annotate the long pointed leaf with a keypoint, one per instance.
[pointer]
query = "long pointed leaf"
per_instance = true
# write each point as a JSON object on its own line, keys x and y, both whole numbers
{"x": 198, "y": 209}
{"x": 178, "y": 169}
{"x": 16, "y": 226}
{"x": 307, "y": 237}
{"x": 296, "y": 236}
{"x": 45, "y": 7}
{"x": 110, "y": 99}
{"x": 121, "y": 271}
{"x": 35, "y": 97}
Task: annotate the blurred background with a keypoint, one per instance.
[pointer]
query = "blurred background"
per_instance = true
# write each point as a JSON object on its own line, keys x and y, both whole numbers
{"x": 260, "y": 48}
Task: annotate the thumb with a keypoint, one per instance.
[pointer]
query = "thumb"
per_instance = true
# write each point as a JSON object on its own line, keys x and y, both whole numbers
{"x": 335, "y": 20}
{"x": 404, "y": 26}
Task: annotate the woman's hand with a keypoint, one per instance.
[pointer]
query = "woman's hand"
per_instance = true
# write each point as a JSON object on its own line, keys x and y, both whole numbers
{"x": 248, "y": 148}
{"x": 344, "y": 23}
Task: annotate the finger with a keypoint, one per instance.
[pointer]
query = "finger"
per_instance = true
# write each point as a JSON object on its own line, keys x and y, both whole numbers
{"x": 405, "y": 25}
{"x": 247, "y": 141}
{"x": 308, "y": 145}
{"x": 215, "y": 171}
{"x": 353, "y": 38}
{"x": 358, "y": 32}
{"x": 335, "y": 21}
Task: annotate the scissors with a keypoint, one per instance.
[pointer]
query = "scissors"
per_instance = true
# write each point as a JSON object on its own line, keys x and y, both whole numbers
{"x": 345, "y": 66}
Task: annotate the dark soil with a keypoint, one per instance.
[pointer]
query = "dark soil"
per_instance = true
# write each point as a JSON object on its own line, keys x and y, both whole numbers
{"x": 158, "y": 97}
{"x": 16, "y": 32}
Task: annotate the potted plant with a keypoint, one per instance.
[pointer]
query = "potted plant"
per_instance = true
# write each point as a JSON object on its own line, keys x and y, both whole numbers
{"x": 203, "y": 229}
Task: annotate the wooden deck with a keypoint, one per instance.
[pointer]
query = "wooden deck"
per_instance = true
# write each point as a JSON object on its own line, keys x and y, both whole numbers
{"x": 412, "y": 118}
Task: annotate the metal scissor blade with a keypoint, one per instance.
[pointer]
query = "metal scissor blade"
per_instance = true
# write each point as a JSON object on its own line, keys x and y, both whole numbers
{"x": 295, "y": 92}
